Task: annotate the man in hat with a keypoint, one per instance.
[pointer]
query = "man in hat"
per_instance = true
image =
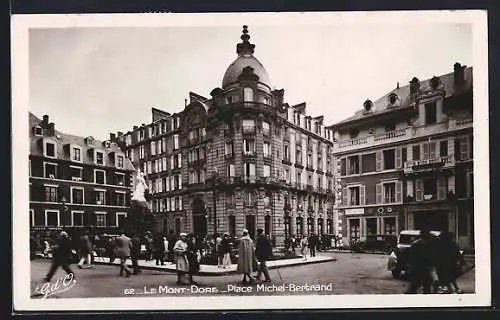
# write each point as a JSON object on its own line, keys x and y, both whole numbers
{"x": 122, "y": 250}
{"x": 61, "y": 256}
{"x": 181, "y": 260}
{"x": 263, "y": 252}
{"x": 246, "y": 257}
{"x": 226, "y": 249}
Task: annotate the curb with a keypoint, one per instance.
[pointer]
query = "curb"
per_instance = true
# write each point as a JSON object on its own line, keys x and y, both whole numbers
{"x": 210, "y": 273}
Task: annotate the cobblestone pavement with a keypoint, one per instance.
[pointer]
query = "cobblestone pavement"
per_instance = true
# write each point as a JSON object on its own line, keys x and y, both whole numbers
{"x": 351, "y": 273}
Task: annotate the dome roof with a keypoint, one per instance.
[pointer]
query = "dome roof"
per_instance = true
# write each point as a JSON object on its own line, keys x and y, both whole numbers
{"x": 236, "y": 68}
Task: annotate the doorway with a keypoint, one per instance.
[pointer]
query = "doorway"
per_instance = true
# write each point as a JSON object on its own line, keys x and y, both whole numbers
{"x": 250, "y": 225}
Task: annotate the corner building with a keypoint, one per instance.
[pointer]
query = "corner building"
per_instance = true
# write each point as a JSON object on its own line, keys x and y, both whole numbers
{"x": 244, "y": 158}
{"x": 405, "y": 161}
{"x": 76, "y": 183}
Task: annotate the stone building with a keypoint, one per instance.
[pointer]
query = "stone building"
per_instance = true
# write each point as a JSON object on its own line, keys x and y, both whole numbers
{"x": 242, "y": 158}
{"x": 76, "y": 183}
{"x": 405, "y": 161}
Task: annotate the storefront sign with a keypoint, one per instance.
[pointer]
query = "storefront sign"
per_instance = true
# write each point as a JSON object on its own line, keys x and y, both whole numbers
{"x": 356, "y": 211}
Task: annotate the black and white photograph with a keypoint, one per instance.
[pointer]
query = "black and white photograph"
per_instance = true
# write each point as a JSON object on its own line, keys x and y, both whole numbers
{"x": 250, "y": 160}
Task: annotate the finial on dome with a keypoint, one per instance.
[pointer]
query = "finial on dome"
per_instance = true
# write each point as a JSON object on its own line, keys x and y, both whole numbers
{"x": 245, "y": 47}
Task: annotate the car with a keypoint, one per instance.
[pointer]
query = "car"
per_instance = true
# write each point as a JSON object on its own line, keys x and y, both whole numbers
{"x": 398, "y": 258}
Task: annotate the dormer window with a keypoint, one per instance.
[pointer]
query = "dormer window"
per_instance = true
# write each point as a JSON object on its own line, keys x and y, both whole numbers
{"x": 368, "y": 105}
{"x": 393, "y": 98}
{"x": 247, "y": 94}
{"x": 49, "y": 149}
{"x": 76, "y": 154}
{"x": 119, "y": 161}
{"x": 354, "y": 133}
{"x": 99, "y": 158}
{"x": 38, "y": 131}
{"x": 107, "y": 144}
{"x": 89, "y": 141}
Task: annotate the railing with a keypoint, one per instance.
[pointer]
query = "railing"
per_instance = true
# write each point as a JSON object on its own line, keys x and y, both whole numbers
{"x": 403, "y": 134}
{"x": 412, "y": 166}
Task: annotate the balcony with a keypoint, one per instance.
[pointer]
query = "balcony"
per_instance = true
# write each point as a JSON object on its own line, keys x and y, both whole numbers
{"x": 249, "y": 154}
{"x": 229, "y": 155}
{"x": 310, "y": 209}
{"x": 249, "y": 179}
{"x": 427, "y": 165}
{"x": 402, "y": 134}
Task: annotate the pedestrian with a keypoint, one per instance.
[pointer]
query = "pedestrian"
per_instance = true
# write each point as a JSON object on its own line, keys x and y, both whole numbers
{"x": 165, "y": 250}
{"x": 304, "y": 244}
{"x": 61, "y": 256}
{"x": 312, "y": 245}
{"x": 171, "y": 243}
{"x": 46, "y": 248}
{"x": 246, "y": 257}
{"x": 448, "y": 263}
{"x": 123, "y": 251}
{"x": 84, "y": 250}
{"x": 421, "y": 259}
{"x": 149, "y": 246}
{"x": 181, "y": 261}
{"x": 218, "y": 251}
{"x": 293, "y": 242}
{"x": 193, "y": 256}
{"x": 135, "y": 253}
{"x": 225, "y": 247}
{"x": 110, "y": 249}
{"x": 159, "y": 249}
{"x": 263, "y": 252}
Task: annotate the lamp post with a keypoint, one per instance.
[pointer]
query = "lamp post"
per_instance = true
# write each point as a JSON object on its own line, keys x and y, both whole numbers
{"x": 215, "y": 174}
{"x": 64, "y": 209}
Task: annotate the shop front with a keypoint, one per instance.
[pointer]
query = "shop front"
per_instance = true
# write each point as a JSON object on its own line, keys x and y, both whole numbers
{"x": 371, "y": 222}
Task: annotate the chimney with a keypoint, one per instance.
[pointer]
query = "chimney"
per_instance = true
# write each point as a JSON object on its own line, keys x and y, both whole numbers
{"x": 120, "y": 133}
{"x": 45, "y": 120}
{"x": 52, "y": 129}
{"x": 414, "y": 86}
{"x": 458, "y": 74}
{"x": 112, "y": 137}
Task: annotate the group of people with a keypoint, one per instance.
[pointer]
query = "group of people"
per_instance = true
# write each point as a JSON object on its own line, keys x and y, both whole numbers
{"x": 435, "y": 264}
{"x": 307, "y": 245}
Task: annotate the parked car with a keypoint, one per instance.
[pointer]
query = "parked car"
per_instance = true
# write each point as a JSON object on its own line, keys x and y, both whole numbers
{"x": 398, "y": 259}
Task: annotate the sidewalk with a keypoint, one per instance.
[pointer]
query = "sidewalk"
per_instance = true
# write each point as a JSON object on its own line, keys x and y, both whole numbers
{"x": 211, "y": 270}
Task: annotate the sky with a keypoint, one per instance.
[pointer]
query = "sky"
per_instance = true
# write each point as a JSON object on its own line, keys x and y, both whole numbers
{"x": 100, "y": 80}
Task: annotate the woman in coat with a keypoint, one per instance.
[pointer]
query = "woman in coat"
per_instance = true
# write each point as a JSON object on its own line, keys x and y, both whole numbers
{"x": 181, "y": 261}
{"x": 246, "y": 257}
{"x": 304, "y": 244}
{"x": 226, "y": 250}
{"x": 193, "y": 257}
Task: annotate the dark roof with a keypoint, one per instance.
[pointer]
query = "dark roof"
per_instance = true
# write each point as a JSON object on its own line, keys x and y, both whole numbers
{"x": 63, "y": 139}
{"x": 380, "y": 106}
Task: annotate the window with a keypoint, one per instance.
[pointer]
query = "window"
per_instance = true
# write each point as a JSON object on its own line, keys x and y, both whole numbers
{"x": 286, "y": 153}
{"x": 176, "y": 141}
{"x": 353, "y": 133}
{"x": 247, "y": 94}
{"x": 469, "y": 184}
{"x": 353, "y": 163}
{"x": 249, "y": 170}
{"x": 267, "y": 170}
{"x": 265, "y": 128}
{"x": 355, "y": 195}
{"x": 119, "y": 161}
{"x": 248, "y": 146}
{"x": 120, "y": 218}
{"x": 51, "y": 170}
{"x": 76, "y": 154}
{"x": 267, "y": 201}
{"x": 230, "y": 170}
{"x": 266, "y": 148}
{"x": 248, "y": 126}
{"x": 141, "y": 152}
{"x": 120, "y": 179}
{"x": 52, "y": 218}
{"x": 51, "y": 193}
{"x": 298, "y": 157}
{"x": 250, "y": 199}
{"x": 120, "y": 199}
{"x": 389, "y": 159}
{"x": 430, "y": 113}
{"x": 50, "y": 149}
{"x": 443, "y": 148}
{"x": 389, "y": 192}
{"x": 76, "y": 173}
{"x": 38, "y": 131}
{"x": 287, "y": 175}
{"x": 309, "y": 160}
{"x": 368, "y": 162}
{"x": 77, "y": 218}
{"x": 100, "y": 219}
{"x": 99, "y": 176}
{"x": 77, "y": 195}
{"x": 179, "y": 160}
{"x": 100, "y": 197}
{"x": 416, "y": 152}
{"x": 153, "y": 148}
{"x": 229, "y": 149}
{"x": 99, "y": 157}
{"x": 430, "y": 188}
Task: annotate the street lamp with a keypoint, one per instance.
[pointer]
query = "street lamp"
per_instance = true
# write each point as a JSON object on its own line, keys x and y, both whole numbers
{"x": 215, "y": 174}
{"x": 64, "y": 209}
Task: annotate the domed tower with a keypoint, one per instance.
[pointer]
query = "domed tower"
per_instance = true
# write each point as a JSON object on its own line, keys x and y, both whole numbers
{"x": 245, "y": 121}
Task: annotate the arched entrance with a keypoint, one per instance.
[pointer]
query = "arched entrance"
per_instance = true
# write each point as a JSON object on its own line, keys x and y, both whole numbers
{"x": 199, "y": 217}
